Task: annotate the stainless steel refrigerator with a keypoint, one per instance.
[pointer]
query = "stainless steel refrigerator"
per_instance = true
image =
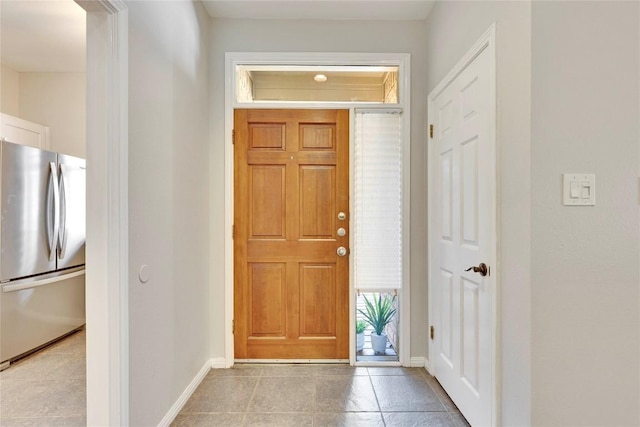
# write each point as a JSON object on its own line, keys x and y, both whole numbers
{"x": 42, "y": 247}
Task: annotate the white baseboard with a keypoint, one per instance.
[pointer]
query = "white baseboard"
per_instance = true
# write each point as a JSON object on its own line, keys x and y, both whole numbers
{"x": 218, "y": 363}
{"x": 417, "y": 362}
{"x": 186, "y": 394}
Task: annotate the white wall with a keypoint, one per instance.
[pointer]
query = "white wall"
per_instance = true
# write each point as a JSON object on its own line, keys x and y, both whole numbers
{"x": 9, "y": 91}
{"x": 168, "y": 202}
{"x": 585, "y": 118}
{"x": 230, "y": 35}
{"x": 57, "y": 100}
{"x": 452, "y": 28}
{"x": 568, "y": 101}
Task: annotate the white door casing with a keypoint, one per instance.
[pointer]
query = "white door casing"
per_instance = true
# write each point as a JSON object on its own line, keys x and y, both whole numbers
{"x": 107, "y": 255}
{"x": 462, "y": 233}
{"x": 402, "y": 60}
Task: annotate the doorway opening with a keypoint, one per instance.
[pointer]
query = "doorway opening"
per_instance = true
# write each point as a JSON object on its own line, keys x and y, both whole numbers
{"x": 250, "y": 84}
{"x": 43, "y": 116}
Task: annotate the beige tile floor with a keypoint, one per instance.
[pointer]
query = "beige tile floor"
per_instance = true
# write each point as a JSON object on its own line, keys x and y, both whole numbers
{"x": 48, "y": 389}
{"x": 319, "y": 395}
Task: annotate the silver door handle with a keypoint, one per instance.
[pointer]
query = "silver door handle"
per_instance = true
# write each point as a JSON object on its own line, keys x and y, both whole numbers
{"x": 53, "y": 237}
{"x": 34, "y": 283}
{"x": 62, "y": 235}
{"x": 342, "y": 251}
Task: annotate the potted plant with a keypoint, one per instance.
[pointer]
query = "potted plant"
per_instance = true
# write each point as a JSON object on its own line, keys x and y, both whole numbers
{"x": 378, "y": 314}
{"x": 360, "y": 327}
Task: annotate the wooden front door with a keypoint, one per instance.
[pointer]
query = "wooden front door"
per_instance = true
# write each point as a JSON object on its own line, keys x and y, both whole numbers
{"x": 291, "y": 297}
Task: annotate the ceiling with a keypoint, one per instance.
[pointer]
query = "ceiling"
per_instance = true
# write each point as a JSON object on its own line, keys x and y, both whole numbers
{"x": 321, "y": 9}
{"x": 49, "y": 35}
{"x": 41, "y": 35}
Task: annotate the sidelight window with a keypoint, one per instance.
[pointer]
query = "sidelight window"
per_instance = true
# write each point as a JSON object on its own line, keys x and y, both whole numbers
{"x": 377, "y": 223}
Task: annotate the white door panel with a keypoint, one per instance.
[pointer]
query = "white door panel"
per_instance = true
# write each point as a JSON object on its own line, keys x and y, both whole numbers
{"x": 462, "y": 235}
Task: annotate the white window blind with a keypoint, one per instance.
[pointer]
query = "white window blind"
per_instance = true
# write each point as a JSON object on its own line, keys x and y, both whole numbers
{"x": 378, "y": 196}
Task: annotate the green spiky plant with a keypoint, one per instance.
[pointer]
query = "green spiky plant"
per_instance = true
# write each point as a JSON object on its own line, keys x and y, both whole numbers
{"x": 361, "y": 325}
{"x": 379, "y": 312}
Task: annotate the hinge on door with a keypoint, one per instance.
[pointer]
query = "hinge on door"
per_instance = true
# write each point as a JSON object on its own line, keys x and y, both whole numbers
{"x": 431, "y": 131}
{"x": 233, "y": 326}
{"x": 233, "y": 136}
{"x": 233, "y": 231}
{"x": 432, "y": 332}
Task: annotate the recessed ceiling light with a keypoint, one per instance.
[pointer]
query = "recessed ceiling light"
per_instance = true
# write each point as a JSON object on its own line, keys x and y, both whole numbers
{"x": 320, "y": 78}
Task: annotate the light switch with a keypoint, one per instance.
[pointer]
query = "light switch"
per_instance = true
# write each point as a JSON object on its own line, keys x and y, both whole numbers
{"x": 575, "y": 189}
{"x": 579, "y": 189}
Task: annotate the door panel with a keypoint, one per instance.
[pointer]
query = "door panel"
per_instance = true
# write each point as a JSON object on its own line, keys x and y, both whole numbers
{"x": 317, "y": 136}
{"x": 317, "y": 202}
{"x": 268, "y": 136}
{"x": 317, "y": 300}
{"x": 469, "y": 190}
{"x": 267, "y": 195}
{"x": 267, "y": 294}
{"x": 290, "y": 287}
{"x": 464, "y": 236}
{"x": 446, "y": 313}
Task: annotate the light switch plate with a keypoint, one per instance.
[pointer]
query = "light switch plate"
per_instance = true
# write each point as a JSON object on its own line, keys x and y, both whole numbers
{"x": 579, "y": 189}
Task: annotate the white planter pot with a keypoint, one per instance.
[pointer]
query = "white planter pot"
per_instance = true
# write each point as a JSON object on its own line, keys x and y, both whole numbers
{"x": 379, "y": 343}
{"x": 359, "y": 341}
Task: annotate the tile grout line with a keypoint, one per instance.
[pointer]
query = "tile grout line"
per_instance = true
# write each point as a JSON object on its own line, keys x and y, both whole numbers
{"x": 438, "y": 395}
{"x": 384, "y": 423}
{"x": 450, "y": 414}
{"x": 315, "y": 399}
{"x": 255, "y": 388}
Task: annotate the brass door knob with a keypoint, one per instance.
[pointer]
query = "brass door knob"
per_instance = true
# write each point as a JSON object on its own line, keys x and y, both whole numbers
{"x": 483, "y": 269}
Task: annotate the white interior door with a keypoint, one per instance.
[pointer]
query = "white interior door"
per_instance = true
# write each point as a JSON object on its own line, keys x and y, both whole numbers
{"x": 463, "y": 234}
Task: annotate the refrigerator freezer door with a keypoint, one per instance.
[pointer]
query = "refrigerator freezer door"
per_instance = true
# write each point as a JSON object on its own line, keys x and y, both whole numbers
{"x": 28, "y": 211}
{"x": 71, "y": 240}
{"x": 32, "y": 314}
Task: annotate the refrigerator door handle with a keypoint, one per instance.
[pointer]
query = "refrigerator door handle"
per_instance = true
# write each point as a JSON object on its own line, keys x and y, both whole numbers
{"x": 34, "y": 283}
{"x": 62, "y": 234}
{"x": 53, "y": 227}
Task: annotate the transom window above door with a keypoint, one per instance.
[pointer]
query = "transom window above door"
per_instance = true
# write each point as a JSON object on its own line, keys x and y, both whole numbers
{"x": 303, "y": 83}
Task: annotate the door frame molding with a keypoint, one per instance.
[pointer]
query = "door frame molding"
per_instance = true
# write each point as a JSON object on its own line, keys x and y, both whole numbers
{"x": 107, "y": 297}
{"x": 486, "y": 42}
{"x": 403, "y": 61}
